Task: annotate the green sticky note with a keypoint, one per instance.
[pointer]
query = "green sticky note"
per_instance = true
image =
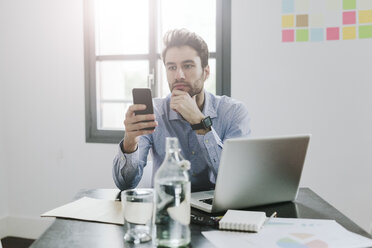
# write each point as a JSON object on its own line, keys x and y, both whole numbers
{"x": 349, "y": 4}
{"x": 365, "y": 32}
{"x": 302, "y": 35}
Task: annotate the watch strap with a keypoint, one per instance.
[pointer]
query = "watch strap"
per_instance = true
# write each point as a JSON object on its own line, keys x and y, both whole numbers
{"x": 197, "y": 126}
{"x": 206, "y": 123}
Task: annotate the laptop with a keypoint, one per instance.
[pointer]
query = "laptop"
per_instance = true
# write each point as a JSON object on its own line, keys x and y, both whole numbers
{"x": 254, "y": 172}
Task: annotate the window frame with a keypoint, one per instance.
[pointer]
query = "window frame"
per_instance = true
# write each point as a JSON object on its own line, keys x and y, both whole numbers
{"x": 222, "y": 56}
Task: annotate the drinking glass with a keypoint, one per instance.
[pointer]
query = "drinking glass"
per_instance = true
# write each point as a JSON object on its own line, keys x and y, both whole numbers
{"x": 138, "y": 211}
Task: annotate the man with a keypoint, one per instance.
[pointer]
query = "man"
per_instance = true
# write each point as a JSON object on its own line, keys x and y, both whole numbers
{"x": 200, "y": 120}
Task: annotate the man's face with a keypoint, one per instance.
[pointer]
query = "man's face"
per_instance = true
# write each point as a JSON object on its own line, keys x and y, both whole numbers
{"x": 184, "y": 70}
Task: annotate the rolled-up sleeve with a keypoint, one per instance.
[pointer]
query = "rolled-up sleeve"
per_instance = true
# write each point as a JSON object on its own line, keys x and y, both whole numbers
{"x": 128, "y": 167}
{"x": 238, "y": 121}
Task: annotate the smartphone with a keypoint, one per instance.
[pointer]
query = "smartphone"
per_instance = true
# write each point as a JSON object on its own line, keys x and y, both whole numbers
{"x": 143, "y": 96}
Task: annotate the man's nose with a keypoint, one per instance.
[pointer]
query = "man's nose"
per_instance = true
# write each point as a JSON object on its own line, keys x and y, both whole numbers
{"x": 179, "y": 74}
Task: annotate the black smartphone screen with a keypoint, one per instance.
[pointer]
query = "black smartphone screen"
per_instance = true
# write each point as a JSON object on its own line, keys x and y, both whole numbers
{"x": 143, "y": 96}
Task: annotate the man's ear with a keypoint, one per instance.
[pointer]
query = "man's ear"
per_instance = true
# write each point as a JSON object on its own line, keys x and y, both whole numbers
{"x": 206, "y": 71}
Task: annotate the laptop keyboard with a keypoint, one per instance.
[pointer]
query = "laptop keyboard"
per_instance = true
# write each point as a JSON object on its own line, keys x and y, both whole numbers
{"x": 207, "y": 201}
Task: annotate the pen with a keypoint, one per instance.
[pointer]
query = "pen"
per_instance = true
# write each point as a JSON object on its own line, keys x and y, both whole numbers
{"x": 271, "y": 216}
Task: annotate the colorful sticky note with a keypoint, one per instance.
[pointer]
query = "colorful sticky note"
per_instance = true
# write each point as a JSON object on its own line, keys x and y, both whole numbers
{"x": 287, "y": 21}
{"x": 349, "y": 33}
{"x": 333, "y": 33}
{"x": 287, "y": 6}
{"x": 302, "y": 20}
{"x": 348, "y": 4}
{"x": 333, "y": 5}
{"x": 365, "y": 16}
{"x": 302, "y": 6}
{"x": 288, "y": 35}
{"x": 302, "y": 35}
{"x": 316, "y": 34}
{"x": 364, "y": 4}
{"x": 317, "y": 20}
{"x": 365, "y": 32}
{"x": 348, "y": 17}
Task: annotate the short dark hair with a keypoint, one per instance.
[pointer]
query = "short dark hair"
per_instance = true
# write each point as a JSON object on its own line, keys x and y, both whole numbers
{"x": 183, "y": 37}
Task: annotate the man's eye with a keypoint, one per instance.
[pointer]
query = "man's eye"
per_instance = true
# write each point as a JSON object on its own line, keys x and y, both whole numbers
{"x": 171, "y": 68}
{"x": 188, "y": 66}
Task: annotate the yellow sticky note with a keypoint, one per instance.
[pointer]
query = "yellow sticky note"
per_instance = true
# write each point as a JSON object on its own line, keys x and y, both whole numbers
{"x": 365, "y": 16}
{"x": 348, "y": 33}
{"x": 287, "y": 21}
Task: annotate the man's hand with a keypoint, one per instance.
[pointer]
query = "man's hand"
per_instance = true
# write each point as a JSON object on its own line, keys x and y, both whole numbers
{"x": 133, "y": 123}
{"x": 185, "y": 105}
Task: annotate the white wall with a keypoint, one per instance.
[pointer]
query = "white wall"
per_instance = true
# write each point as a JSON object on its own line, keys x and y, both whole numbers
{"x": 49, "y": 160}
{"x": 3, "y": 164}
{"x": 3, "y": 167}
{"x": 3, "y": 181}
{"x": 320, "y": 88}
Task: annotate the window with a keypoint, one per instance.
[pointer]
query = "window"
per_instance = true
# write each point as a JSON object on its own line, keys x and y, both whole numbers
{"x": 123, "y": 45}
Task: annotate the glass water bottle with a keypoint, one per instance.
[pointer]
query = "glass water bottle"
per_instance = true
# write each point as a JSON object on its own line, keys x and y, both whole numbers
{"x": 172, "y": 198}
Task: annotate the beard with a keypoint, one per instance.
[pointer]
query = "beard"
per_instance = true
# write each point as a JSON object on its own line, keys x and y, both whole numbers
{"x": 187, "y": 86}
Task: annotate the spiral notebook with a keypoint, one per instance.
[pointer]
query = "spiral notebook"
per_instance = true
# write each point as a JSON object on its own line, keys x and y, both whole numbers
{"x": 238, "y": 220}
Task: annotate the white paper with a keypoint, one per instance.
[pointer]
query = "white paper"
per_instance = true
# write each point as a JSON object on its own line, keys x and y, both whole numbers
{"x": 291, "y": 233}
{"x": 86, "y": 208}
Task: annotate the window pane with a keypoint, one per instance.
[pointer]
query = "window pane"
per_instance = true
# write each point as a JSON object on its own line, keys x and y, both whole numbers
{"x": 112, "y": 115}
{"x": 209, "y": 84}
{"x": 195, "y": 15}
{"x": 162, "y": 80}
{"x": 122, "y": 26}
{"x": 115, "y": 79}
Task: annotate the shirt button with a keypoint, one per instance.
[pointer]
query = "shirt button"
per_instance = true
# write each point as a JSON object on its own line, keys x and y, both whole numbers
{"x": 206, "y": 141}
{"x": 193, "y": 174}
{"x": 192, "y": 152}
{"x": 122, "y": 158}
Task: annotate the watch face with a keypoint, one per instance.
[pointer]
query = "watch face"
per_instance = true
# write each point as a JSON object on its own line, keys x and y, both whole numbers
{"x": 207, "y": 122}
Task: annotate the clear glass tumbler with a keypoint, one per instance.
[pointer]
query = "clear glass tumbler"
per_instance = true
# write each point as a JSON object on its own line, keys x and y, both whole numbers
{"x": 138, "y": 211}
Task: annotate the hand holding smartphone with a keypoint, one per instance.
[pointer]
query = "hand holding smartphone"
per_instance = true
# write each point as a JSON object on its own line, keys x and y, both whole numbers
{"x": 143, "y": 96}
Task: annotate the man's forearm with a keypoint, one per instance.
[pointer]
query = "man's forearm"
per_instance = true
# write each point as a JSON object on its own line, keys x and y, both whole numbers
{"x": 212, "y": 146}
{"x": 125, "y": 168}
{"x": 128, "y": 146}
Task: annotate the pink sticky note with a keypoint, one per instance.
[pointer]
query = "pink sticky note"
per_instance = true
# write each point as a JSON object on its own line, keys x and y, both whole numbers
{"x": 348, "y": 17}
{"x": 333, "y": 33}
{"x": 288, "y": 35}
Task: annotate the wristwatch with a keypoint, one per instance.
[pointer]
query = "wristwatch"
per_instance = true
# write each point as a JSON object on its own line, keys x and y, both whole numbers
{"x": 206, "y": 123}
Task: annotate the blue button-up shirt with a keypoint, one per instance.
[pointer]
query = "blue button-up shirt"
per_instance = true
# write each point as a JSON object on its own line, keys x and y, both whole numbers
{"x": 230, "y": 120}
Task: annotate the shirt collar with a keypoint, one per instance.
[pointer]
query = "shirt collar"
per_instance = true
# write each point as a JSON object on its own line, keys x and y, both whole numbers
{"x": 208, "y": 110}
